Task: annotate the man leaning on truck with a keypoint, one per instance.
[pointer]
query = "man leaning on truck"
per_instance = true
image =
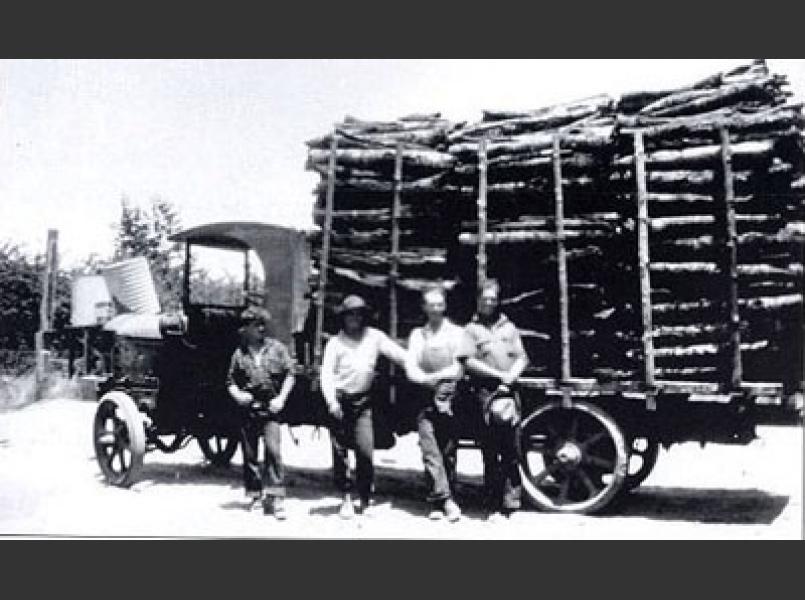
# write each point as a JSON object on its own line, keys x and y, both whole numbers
{"x": 493, "y": 353}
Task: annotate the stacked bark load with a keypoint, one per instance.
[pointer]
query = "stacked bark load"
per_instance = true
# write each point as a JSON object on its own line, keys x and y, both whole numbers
{"x": 360, "y": 258}
{"x": 521, "y": 242}
{"x": 442, "y": 178}
{"x": 690, "y": 228}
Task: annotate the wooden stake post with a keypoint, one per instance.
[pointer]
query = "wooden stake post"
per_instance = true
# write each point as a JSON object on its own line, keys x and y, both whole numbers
{"x": 481, "y": 256}
{"x": 643, "y": 264}
{"x": 394, "y": 266}
{"x": 394, "y": 272}
{"x": 561, "y": 259}
{"x": 324, "y": 264}
{"x": 730, "y": 264}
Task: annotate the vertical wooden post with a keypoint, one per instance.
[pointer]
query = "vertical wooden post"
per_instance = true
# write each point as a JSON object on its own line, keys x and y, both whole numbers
{"x": 47, "y": 306}
{"x": 481, "y": 255}
{"x": 187, "y": 273}
{"x": 246, "y": 274}
{"x": 730, "y": 264}
{"x": 643, "y": 261}
{"x": 324, "y": 263}
{"x": 561, "y": 259}
{"x": 394, "y": 264}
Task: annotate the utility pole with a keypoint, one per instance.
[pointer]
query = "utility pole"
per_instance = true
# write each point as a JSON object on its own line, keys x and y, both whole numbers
{"x": 47, "y": 307}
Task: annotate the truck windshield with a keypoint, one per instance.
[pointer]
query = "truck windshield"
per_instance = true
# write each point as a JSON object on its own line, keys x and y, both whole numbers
{"x": 223, "y": 277}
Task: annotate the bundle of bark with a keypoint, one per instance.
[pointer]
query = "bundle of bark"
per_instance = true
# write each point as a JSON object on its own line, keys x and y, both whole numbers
{"x": 360, "y": 258}
{"x": 688, "y": 242}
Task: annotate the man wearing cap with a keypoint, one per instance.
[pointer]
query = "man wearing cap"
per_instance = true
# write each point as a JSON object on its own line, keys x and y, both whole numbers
{"x": 493, "y": 353}
{"x": 347, "y": 375}
{"x": 260, "y": 379}
{"x": 432, "y": 363}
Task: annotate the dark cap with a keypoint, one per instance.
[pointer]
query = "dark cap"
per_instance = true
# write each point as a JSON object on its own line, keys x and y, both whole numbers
{"x": 255, "y": 314}
{"x": 353, "y": 303}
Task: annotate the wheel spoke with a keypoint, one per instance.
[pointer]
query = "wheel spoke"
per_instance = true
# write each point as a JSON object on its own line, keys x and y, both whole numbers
{"x": 599, "y": 462}
{"x": 574, "y": 428}
{"x": 588, "y": 483}
{"x": 548, "y": 470}
{"x": 564, "y": 489}
{"x": 593, "y": 439}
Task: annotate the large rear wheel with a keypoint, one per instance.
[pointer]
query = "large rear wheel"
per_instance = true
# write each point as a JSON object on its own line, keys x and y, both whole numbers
{"x": 573, "y": 459}
{"x": 119, "y": 438}
{"x": 218, "y": 449}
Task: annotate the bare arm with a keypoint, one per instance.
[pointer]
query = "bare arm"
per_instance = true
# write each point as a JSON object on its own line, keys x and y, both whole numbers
{"x": 328, "y": 374}
{"x": 516, "y": 370}
{"x": 238, "y": 395}
{"x": 412, "y": 369}
{"x": 481, "y": 368}
{"x": 392, "y": 350}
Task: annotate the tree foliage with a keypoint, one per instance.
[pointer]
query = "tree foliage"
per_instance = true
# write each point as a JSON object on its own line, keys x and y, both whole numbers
{"x": 146, "y": 232}
{"x": 21, "y": 284}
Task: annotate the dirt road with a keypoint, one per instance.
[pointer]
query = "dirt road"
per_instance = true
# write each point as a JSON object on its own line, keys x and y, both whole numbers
{"x": 50, "y": 484}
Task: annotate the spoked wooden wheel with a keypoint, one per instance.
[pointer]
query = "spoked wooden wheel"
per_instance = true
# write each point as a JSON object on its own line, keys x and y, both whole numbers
{"x": 119, "y": 439}
{"x": 218, "y": 449}
{"x": 572, "y": 459}
{"x": 643, "y": 453}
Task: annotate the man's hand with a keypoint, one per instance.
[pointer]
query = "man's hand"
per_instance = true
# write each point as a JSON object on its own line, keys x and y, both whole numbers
{"x": 277, "y": 404}
{"x": 508, "y": 379}
{"x": 243, "y": 397}
{"x": 335, "y": 410}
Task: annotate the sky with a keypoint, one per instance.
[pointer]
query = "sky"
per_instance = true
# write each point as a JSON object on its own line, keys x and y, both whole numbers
{"x": 224, "y": 140}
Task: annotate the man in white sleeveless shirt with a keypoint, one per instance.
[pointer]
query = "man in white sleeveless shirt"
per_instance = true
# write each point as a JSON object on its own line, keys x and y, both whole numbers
{"x": 432, "y": 363}
{"x": 347, "y": 374}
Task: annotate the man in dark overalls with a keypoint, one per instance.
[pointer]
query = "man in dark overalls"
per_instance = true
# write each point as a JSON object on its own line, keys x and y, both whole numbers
{"x": 260, "y": 379}
{"x": 493, "y": 354}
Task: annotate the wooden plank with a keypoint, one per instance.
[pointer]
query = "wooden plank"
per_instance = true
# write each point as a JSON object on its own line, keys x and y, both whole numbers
{"x": 564, "y": 318}
{"x": 325, "y": 253}
{"x": 731, "y": 266}
{"x": 643, "y": 259}
{"x": 482, "y": 218}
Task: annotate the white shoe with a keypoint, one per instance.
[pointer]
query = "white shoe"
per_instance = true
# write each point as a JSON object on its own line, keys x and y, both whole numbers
{"x": 347, "y": 510}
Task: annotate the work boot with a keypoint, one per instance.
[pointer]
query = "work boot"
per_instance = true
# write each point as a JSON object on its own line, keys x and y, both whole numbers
{"x": 436, "y": 514}
{"x": 347, "y": 510}
{"x": 451, "y": 510}
{"x": 275, "y": 506}
{"x": 253, "y": 500}
{"x": 365, "y": 507}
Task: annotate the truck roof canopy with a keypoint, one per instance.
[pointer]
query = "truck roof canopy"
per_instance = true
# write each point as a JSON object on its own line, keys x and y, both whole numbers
{"x": 233, "y": 235}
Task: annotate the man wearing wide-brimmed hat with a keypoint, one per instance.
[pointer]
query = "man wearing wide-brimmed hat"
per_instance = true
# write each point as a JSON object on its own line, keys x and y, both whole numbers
{"x": 347, "y": 376}
{"x": 260, "y": 379}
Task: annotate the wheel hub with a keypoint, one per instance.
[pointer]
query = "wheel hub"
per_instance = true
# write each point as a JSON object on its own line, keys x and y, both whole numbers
{"x": 569, "y": 454}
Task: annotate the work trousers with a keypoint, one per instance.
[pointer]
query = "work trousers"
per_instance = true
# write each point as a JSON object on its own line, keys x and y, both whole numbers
{"x": 353, "y": 431}
{"x": 438, "y": 441}
{"x": 502, "y": 481}
{"x": 268, "y": 478}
